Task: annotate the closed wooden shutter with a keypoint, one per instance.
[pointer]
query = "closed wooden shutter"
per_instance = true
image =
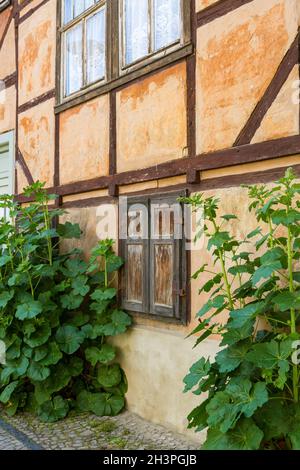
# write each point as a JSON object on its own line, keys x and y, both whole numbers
{"x": 154, "y": 275}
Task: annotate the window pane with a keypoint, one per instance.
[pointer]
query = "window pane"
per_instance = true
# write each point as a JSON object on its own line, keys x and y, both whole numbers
{"x": 68, "y": 13}
{"x": 88, "y": 3}
{"x": 136, "y": 30}
{"x": 167, "y": 22}
{"x": 135, "y": 273}
{"x": 79, "y": 7}
{"x": 73, "y": 60}
{"x": 163, "y": 275}
{"x": 96, "y": 46}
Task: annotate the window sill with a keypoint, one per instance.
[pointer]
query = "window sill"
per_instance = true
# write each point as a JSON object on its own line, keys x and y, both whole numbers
{"x": 103, "y": 88}
{"x": 158, "y": 318}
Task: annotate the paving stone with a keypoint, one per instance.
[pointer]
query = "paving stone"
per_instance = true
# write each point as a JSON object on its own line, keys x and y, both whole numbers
{"x": 124, "y": 432}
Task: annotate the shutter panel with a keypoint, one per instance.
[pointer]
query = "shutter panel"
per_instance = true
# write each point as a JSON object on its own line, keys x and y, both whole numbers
{"x": 136, "y": 255}
{"x": 165, "y": 257}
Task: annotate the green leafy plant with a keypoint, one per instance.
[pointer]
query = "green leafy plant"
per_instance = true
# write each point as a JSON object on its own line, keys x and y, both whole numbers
{"x": 252, "y": 387}
{"x": 57, "y": 313}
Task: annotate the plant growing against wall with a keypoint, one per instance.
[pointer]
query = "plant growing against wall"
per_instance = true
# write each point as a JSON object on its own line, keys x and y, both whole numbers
{"x": 252, "y": 387}
{"x": 57, "y": 313}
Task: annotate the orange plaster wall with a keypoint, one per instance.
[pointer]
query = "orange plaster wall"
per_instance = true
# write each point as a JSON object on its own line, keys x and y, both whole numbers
{"x": 282, "y": 119}
{"x": 36, "y": 140}
{"x": 237, "y": 57}
{"x": 84, "y": 141}
{"x": 7, "y": 52}
{"x": 151, "y": 120}
{"x": 201, "y": 4}
{"x": 37, "y": 45}
{"x": 7, "y": 109}
{"x": 4, "y": 15}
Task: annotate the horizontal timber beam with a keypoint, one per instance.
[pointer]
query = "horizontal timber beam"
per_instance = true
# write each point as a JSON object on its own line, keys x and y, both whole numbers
{"x": 218, "y": 9}
{"x": 250, "y": 153}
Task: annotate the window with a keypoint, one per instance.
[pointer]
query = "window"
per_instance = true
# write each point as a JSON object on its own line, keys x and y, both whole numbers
{"x": 153, "y": 280}
{"x": 6, "y": 167}
{"x": 84, "y": 43}
{"x": 108, "y": 42}
{"x": 148, "y": 26}
{"x": 4, "y": 4}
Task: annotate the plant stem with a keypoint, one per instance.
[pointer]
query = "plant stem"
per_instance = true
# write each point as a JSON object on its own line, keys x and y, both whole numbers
{"x": 292, "y": 311}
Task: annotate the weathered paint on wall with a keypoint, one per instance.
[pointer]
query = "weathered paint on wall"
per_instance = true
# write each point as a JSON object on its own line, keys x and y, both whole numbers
{"x": 7, "y": 110}
{"x": 37, "y": 39}
{"x": 7, "y": 53}
{"x": 21, "y": 178}
{"x": 36, "y": 141}
{"x": 282, "y": 119}
{"x": 201, "y": 4}
{"x": 151, "y": 120}
{"x": 84, "y": 141}
{"x": 237, "y": 57}
{"x": 4, "y": 15}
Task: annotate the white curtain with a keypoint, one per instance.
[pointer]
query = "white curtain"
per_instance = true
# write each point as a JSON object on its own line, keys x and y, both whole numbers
{"x": 136, "y": 30}
{"x": 96, "y": 46}
{"x": 68, "y": 11}
{"x": 167, "y": 22}
{"x": 78, "y": 7}
{"x": 73, "y": 80}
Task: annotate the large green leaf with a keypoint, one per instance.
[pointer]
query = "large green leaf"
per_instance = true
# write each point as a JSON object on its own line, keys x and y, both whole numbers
{"x": 101, "y": 404}
{"x": 53, "y": 355}
{"x": 109, "y": 375}
{"x": 245, "y": 436}
{"x": 29, "y": 309}
{"x": 53, "y": 410}
{"x": 241, "y": 316}
{"x": 119, "y": 324}
{"x": 69, "y": 230}
{"x": 231, "y": 357}
{"x": 267, "y": 355}
{"x": 8, "y": 391}
{"x": 239, "y": 397}
{"x": 198, "y": 371}
{"x": 5, "y": 297}
{"x": 37, "y": 372}
{"x": 39, "y": 336}
{"x": 69, "y": 338}
{"x": 235, "y": 335}
{"x": 79, "y": 285}
{"x": 71, "y": 301}
{"x": 265, "y": 271}
{"x": 198, "y": 417}
{"x": 104, "y": 294}
{"x": 106, "y": 354}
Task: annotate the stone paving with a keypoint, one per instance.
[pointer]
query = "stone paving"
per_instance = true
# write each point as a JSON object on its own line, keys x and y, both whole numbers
{"x": 9, "y": 442}
{"x": 124, "y": 432}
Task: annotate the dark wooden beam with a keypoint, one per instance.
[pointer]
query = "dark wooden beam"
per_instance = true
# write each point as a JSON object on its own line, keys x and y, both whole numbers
{"x": 250, "y": 153}
{"x": 31, "y": 11}
{"x": 6, "y": 28}
{"x": 23, "y": 164}
{"x": 36, "y": 101}
{"x": 191, "y": 88}
{"x": 10, "y": 80}
{"x": 218, "y": 9}
{"x": 286, "y": 66}
{"x": 112, "y": 133}
{"x": 56, "y": 176}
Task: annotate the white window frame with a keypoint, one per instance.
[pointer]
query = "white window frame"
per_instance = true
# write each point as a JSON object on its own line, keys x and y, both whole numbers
{"x": 82, "y": 18}
{"x": 152, "y": 54}
{"x": 8, "y": 138}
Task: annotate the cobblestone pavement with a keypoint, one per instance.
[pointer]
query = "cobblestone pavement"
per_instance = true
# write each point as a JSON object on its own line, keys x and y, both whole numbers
{"x": 8, "y": 442}
{"x": 124, "y": 432}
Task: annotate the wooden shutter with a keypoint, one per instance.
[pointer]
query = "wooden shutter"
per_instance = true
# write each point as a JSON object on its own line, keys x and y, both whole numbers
{"x": 166, "y": 258}
{"x": 154, "y": 275}
{"x": 136, "y": 256}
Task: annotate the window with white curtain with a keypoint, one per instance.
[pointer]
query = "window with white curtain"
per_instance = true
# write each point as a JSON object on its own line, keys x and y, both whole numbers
{"x": 84, "y": 43}
{"x": 102, "y": 41}
{"x": 149, "y": 26}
